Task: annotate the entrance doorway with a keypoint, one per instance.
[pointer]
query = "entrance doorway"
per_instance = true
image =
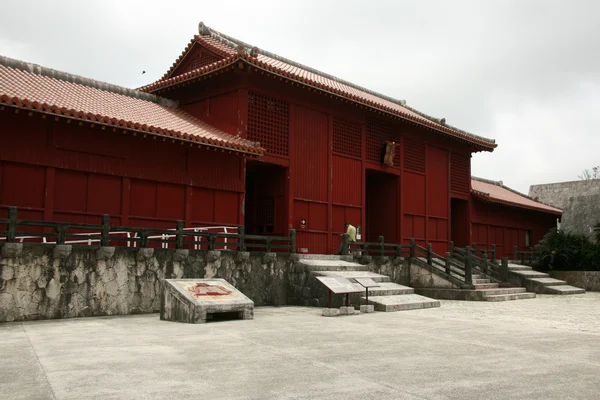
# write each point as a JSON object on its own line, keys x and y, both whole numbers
{"x": 382, "y": 207}
{"x": 459, "y": 220}
{"x": 264, "y": 204}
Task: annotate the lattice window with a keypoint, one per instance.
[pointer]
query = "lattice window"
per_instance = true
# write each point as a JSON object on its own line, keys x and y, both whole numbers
{"x": 414, "y": 155}
{"x": 378, "y": 132}
{"x": 269, "y": 123}
{"x": 460, "y": 181}
{"x": 347, "y": 138}
{"x": 202, "y": 59}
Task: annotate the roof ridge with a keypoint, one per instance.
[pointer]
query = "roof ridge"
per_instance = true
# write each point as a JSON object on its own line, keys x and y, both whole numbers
{"x": 229, "y": 40}
{"x": 502, "y": 185}
{"x": 80, "y": 80}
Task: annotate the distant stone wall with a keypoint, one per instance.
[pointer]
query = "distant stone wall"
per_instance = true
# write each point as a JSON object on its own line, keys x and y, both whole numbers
{"x": 39, "y": 282}
{"x": 579, "y": 200}
{"x": 588, "y": 280}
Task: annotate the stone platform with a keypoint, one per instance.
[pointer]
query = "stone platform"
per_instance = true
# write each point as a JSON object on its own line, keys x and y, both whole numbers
{"x": 198, "y": 300}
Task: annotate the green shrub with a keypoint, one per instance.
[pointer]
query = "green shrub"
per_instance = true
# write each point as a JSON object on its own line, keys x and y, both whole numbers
{"x": 567, "y": 251}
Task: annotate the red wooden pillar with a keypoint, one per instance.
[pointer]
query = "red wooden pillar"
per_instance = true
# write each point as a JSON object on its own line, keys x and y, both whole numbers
{"x": 400, "y": 209}
{"x": 363, "y": 156}
{"x": 188, "y": 205}
{"x": 290, "y": 173}
{"x": 242, "y": 131}
{"x": 330, "y": 184}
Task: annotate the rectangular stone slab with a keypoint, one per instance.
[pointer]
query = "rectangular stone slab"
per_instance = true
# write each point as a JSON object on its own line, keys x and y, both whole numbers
{"x": 194, "y": 300}
{"x": 367, "y": 282}
{"x": 338, "y": 284}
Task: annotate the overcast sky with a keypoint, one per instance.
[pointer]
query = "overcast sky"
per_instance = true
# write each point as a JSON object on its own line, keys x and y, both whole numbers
{"x": 526, "y": 73}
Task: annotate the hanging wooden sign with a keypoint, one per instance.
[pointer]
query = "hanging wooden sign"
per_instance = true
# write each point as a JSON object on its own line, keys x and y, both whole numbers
{"x": 388, "y": 153}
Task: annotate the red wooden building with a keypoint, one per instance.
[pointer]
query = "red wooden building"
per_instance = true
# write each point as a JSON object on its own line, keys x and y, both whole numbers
{"x": 234, "y": 135}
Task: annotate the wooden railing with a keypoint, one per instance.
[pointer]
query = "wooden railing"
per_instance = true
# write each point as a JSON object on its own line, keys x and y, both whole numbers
{"x": 13, "y": 230}
{"x": 524, "y": 256}
{"x": 379, "y": 248}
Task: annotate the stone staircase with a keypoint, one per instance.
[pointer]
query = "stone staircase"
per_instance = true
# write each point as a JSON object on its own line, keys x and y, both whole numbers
{"x": 389, "y": 296}
{"x": 540, "y": 282}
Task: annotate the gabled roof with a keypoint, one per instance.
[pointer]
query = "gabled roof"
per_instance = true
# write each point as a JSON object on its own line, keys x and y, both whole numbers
{"x": 495, "y": 192}
{"x": 234, "y": 50}
{"x": 45, "y": 90}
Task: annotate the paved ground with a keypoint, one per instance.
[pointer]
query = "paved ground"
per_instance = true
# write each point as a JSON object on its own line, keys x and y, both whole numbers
{"x": 545, "y": 348}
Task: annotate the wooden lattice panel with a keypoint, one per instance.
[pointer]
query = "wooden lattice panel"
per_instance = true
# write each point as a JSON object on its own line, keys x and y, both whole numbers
{"x": 460, "y": 181}
{"x": 346, "y": 138}
{"x": 414, "y": 155}
{"x": 269, "y": 123}
{"x": 202, "y": 59}
{"x": 379, "y": 132}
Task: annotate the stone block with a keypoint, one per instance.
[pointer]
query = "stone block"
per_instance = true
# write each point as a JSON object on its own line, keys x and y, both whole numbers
{"x": 213, "y": 255}
{"x": 242, "y": 256}
{"x": 144, "y": 254}
{"x": 330, "y": 312}
{"x": 346, "y": 310}
{"x": 181, "y": 255}
{"x": 294, "y": 257}
{"x": 269, "y": 258}
{"x": 364, "y": 260}
{"x": 105, "y": 252}
{"x": 197, "y": 300}
{"x": 11, "y": 250}
{"x": 62, "y": 251}
{"x": 367, "y": 308}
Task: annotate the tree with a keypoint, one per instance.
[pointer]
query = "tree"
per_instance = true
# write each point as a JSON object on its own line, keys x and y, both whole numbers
{"x": 586, "y": 175}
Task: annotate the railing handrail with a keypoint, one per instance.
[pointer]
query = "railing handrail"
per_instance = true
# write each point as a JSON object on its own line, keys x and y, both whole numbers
{"x": 227, "y": 237}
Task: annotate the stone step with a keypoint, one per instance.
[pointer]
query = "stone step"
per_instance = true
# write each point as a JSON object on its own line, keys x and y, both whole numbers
{"x": 492, "y": 292}
{"x": 548, "y": 281}
{"x": 389, "y": 289}
{"x": 323, "y": 257}
{"x": 402, "y": 302}
{"x": 563, "y": 289}
{"x": 517, "y": 267}
{"x": 486, "y": 285}
{"x": 477, "y": 276}
{"x": 331, "y": 265}
{"x": 530, "y": 274}
{"x": 507, "y": 297}
{"x": 351, "y": 275}
{"x": 481, "y": 280}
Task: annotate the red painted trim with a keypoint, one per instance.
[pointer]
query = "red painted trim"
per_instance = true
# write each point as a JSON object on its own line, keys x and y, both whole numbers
{"x": 363, "y": 156}
{"x": 330, "y": 183}
{"x": 290, "y": 176}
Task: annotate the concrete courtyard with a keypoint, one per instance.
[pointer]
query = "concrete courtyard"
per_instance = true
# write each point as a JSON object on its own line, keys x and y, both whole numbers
{"x": 545, "y": 348}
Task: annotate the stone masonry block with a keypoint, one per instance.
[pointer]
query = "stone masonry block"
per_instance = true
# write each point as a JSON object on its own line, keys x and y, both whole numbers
{"x": 105, "y": 252}
{"x": 144, "y": 254}
{"x": 11, "y": 250}
{"x": 213, "y": 255}
{"x": 242, "y": 256}
{"x": 346, "y": 310}
{"x": 62, "y": 251}
{"x": 181, "y": 255}
{"x": 330, "y": 312}
{"x": 367, "y": 308}
{"x": 269, "y": 257}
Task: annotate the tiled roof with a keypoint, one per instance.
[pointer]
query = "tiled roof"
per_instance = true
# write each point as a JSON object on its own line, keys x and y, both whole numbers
{"x": 496, "y": 192}
{"x": 45, "y": 90}
{"x": 233, "y": 50}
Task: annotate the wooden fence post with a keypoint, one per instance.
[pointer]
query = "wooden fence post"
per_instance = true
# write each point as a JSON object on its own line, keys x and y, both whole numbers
{"x": 268, "y": 248}
{"x": 242, "y": 238}
{"x": 532, "y": 255}
{"x": 468, "y": 266}
{"x": 504, "y": 269}
{"x": 448, "y": 266}
{"x": 292, "y": 241}
{"x": 105, "y": 230}
{"x": 345, "y": 244}
{"x": 179, "y": 234}
{"x": 412, "y": 248}
{"x": 516, "y": 253}
{"x": 211, "y": 242}
{"x": 143, "y": 238}
{"x": 451, "y": 248}
{"x": 429, "y": 256}
{"x": 484, "y": 260}
{"x": 11, "y": 237}
{"x": 381, "y": 247}
{"x": 398, "y": 250}
{"x": 494, "y": 253}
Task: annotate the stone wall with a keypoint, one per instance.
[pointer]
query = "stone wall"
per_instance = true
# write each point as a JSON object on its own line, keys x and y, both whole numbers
{"x": 38, "y": 281}
{"x": 579, "y": 200}
{"x": 588, "y": 280}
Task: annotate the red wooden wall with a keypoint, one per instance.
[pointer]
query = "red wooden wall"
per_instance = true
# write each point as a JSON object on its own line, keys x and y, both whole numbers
{"x": 507, "y": 226}
{"x": 67, "y": 172}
